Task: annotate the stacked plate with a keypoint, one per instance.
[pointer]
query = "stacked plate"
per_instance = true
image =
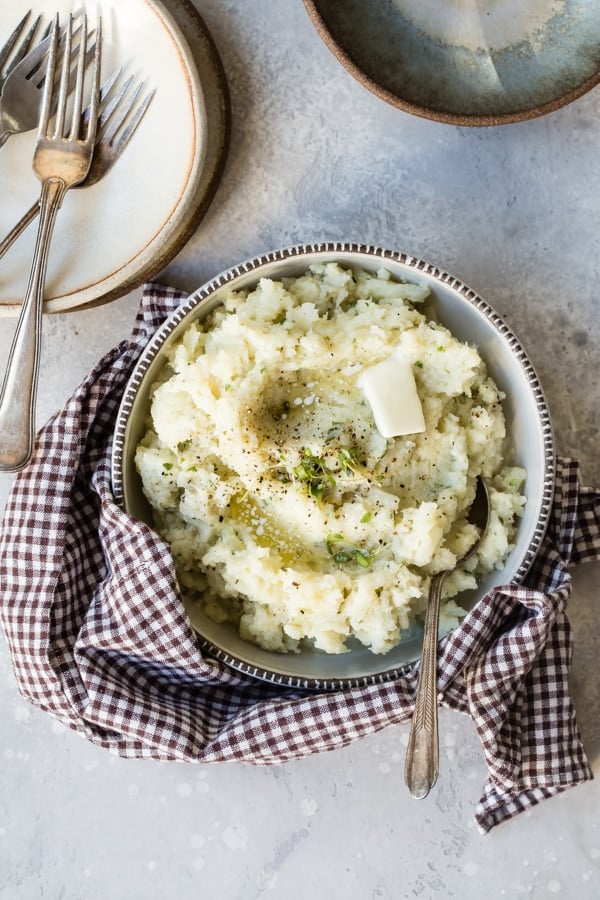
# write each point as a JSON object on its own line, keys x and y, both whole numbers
{"x": 122, "y": 231}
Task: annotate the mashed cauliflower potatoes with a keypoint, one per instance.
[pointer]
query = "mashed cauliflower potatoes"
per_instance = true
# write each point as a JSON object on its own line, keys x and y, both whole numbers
{"x": 287, "y": 512}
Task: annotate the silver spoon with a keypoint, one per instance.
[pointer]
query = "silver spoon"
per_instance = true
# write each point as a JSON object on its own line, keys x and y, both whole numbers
{"x": 422, "y": 755}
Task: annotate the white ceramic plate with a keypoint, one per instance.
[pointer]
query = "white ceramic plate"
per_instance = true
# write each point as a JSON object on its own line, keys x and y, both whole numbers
{"x": 123, "y": 230}
{"x": 470, "y": 319}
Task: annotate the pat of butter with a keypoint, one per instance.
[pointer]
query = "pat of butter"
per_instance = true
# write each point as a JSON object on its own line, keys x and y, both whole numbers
{"x": 391, "y": 391}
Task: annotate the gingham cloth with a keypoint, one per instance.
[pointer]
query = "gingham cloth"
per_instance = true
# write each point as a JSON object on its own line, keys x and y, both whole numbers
{"x": 100, "y": 640}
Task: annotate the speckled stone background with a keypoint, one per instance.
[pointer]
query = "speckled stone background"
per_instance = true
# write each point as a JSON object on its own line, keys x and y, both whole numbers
{"x": 514, "y": 212}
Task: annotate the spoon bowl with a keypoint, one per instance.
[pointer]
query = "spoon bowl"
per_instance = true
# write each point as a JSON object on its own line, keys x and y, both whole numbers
{"x": 422, "y": 756}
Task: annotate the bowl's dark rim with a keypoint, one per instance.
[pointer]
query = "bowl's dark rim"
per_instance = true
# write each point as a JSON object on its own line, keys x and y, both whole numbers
{"x": 339, "y": 249}
{"x": 436, "y": 115}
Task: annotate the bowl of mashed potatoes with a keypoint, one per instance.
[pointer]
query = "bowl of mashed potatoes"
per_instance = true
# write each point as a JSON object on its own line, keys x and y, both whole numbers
{"x": 306, "y": 432}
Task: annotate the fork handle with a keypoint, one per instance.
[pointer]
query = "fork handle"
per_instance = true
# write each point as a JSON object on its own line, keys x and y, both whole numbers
{"x": 19, "y": 388}
{"x": 19, "y": 228}
{"x": 422, "y": 756}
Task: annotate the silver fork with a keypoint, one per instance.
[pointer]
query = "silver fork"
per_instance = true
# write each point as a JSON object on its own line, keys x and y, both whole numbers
{"x": 20, "y": 100}
{"x": 119, "y": 118}
{"x": 11, "y": 54}
{"x": 60, "y": 161}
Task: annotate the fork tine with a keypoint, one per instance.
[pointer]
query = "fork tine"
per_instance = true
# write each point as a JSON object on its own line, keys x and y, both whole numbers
{"x": 36, "y": 57}
{"x": 128, "y": 118}
{"x": 105, "y": 103}
{"x": 23, "y": 47}
{"x": 48, "y": 87}
{"x": 6, "y": 50}
{"x": 107, "y": 86}
{"x": 77, "y": 101}
{"x": 95, "y": 91}
{"x": 63, "y": 90}
{"x": 121, "y": 138}
{"x": 116, "y": 131}
{"x": 113, "y": 104}
{"x": 47, "y": 30}
{"x": 35, "y": 60}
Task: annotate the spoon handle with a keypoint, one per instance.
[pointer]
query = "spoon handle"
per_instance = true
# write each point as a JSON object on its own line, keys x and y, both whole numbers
{"x": 422, "y": 756}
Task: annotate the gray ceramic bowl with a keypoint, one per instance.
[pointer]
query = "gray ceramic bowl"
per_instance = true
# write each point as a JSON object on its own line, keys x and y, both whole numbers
{"x": 470, "y": 319}
{"x": 488, "y": 63}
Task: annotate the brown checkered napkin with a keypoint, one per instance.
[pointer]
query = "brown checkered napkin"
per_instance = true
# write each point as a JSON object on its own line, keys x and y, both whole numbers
{"x": 99, "y": 638}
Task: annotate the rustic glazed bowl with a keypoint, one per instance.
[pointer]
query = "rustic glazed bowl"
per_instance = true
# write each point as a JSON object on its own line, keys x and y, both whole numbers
{"x": 470, "y": 319}
{"x": 486, "y": 63}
